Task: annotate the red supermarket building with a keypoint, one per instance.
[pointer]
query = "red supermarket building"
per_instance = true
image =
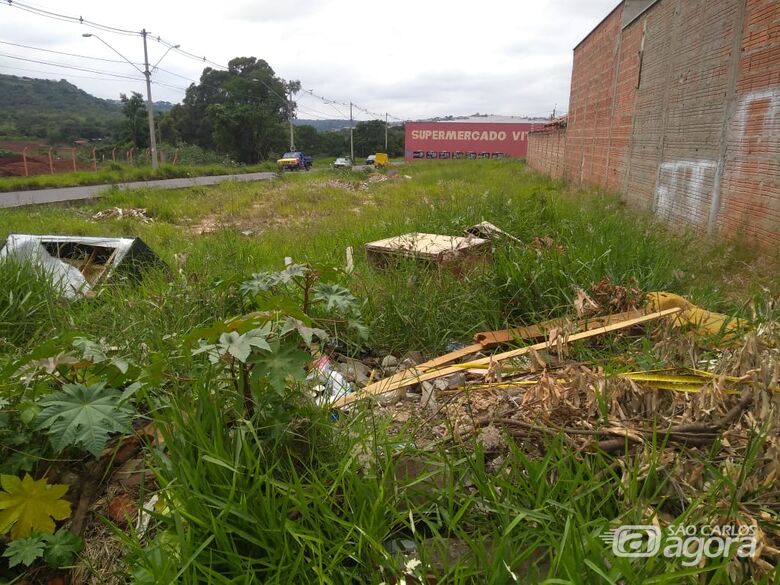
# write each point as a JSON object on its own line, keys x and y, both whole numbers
{"x": 477, "y": 137}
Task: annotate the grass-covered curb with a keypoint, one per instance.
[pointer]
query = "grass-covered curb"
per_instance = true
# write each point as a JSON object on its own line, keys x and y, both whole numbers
{"x": 114, "y": 173}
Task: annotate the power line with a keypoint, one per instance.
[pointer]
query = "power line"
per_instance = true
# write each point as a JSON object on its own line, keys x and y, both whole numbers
{"x": 64, "y": 66}
{"x": 176, "y": 48}
{"x": 60, "y": 74}
{"x": 72, "y": 19}
{"x": 175, "y": 74}
{"x": 64, "y": 53}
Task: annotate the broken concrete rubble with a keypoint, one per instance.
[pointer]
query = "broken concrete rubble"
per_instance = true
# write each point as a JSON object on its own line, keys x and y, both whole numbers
{"x": 77, "y": 265}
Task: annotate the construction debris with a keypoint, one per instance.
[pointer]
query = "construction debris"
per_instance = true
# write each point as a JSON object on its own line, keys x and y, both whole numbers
{"x": 438, "y": 367}
{"x": 77, "y": 265}
{"x": 453, "y": 251}
{"x": 489, "y": 231}
{"x": 137, "y": 213}
{"x": 557, "y": 333}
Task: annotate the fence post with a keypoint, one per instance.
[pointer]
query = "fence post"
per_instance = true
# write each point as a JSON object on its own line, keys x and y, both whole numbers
{"x": 94, "y": 159}
{"x": 24, "y": 159}
{"x": 113, "y": 154}
{"x": 51, "y": 162}
{"x": 73, "y": 157}
{"x": 175, "y": 157}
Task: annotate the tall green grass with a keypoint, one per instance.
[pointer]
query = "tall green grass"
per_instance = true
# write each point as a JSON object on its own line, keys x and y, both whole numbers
{"x": 114, "y": 173}
{"x": 410, "y": 306}
{"x": 294, "y": 496}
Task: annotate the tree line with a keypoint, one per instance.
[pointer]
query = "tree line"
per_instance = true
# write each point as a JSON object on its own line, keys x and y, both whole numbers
{"x": 244, "y": 113}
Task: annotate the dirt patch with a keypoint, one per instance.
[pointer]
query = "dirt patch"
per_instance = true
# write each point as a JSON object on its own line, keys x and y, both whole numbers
{"x": 13, "y": 166}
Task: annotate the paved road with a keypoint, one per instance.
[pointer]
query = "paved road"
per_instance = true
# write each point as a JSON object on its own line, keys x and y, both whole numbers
{"x": 37, "y": 197}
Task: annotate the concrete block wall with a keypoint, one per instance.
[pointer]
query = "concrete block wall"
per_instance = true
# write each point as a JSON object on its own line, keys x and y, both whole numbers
{"x": 680, "y": 112}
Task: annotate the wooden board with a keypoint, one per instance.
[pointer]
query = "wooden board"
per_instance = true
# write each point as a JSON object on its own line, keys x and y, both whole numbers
{"x": 433, "y": 247}
{"x": 493, "y": 338}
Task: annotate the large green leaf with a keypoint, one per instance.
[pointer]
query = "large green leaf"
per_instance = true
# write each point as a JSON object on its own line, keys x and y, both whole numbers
{"x": 61, "y": 548}
{"x": 336, "y": 298}
{"x": 27, "y": 505}
{"x": 84, "y": 416}
{"x": 24, "y": 551}
{"x": 283, "y": 363}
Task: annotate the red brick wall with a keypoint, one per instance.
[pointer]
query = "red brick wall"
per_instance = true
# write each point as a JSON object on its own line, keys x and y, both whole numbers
{"x": 680, "y": 112}
{"x": 546, "y": 150}
{"x": 750, "y": 190}
{"x": 590, "y": 103}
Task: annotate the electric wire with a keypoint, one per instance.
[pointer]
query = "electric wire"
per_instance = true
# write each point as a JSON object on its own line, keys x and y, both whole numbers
{"x": 64, "y": 66}
{"x": 65, "y": 53}
{"x": 174, "y": 47}
{"x": 72, "y": 19}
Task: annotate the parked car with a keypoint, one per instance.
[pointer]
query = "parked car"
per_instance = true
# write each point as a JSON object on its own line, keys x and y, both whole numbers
{"x": 457, "y": 154}
{"x": 431, "y": 154}
{"x": 418, "y": 154}
{"x": 342, "y": 162}
{"x": 444, "y": 154}
{"x": 499, "y": 155}
{"x": 472, "y": 154}
{"x": 294, "y": 161}
{"x": 370, "y": 159}
{"x": 484, "y": 155}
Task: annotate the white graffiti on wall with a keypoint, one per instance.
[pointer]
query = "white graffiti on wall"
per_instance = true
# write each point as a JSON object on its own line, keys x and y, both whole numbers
{"x": 771, "y": 114}
{"x": 682, "y": 191}
{"x": 686, "y": 188}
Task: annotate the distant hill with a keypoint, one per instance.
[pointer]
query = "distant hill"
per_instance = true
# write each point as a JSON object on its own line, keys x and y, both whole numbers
{"x": 57, "y": 111}
{"x": 323, "y": 125}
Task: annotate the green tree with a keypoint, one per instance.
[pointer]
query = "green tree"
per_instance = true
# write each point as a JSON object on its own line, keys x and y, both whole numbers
{"x": 135, "y": 128}
{"x": 369, "y": 138}
{"x": 241, "y": 112}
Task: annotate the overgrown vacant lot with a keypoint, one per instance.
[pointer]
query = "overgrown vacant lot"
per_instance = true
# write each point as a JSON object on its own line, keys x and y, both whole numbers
{"x": 247, "y": 480}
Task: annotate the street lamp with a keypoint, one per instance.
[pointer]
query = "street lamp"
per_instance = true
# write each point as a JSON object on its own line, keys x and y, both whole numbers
{"x": 148, "y": 75}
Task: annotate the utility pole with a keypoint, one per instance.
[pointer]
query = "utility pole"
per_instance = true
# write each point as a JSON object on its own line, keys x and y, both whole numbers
{"x": 290, "y": 116}
{"x": 385, "y": 132}
{"x": 351, "y": 139}
{"x": 150, "y": 105}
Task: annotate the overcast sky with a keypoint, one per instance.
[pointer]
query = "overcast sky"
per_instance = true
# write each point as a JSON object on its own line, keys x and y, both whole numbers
{"x": 414, "y": 59}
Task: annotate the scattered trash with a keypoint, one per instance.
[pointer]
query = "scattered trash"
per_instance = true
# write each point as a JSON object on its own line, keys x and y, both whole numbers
{"x": 438, "y": 367}
{"x": 332, "y": 384}
{"x": 77, "y": 265}
{"x": 454, "y": 251}
{"x": 488, "y": 231}
{"x": 119, "y": 213}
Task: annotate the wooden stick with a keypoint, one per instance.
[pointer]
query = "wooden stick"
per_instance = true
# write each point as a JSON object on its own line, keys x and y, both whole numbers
{"x": 416, "y": 371}
{"x": 490, "y": 339}
{"x": 386, "y": 385}
{"x": 493, "y": 338}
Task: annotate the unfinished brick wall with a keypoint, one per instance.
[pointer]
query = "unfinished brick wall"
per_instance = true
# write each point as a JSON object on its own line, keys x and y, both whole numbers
{"x": 546, "y": 150}
{"x": 680, "y": 112}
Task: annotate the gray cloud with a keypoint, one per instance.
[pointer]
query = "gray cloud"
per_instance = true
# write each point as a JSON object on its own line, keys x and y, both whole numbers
{"x": 275, "y": 11}
{"x": 412, "y": 59}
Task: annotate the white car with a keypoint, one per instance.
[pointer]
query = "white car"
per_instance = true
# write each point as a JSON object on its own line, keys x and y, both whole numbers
{"x": 370, "y": 159}
{"x": 342, "y": 163}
